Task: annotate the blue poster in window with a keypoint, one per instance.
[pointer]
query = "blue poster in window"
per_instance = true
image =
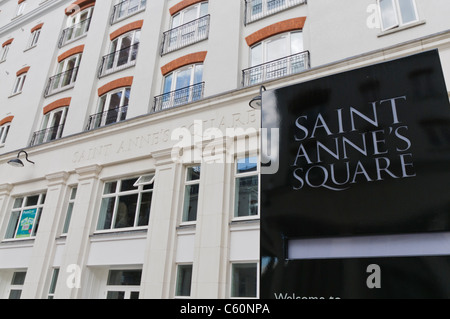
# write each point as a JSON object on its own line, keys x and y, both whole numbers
{"x": 26, "y": 223}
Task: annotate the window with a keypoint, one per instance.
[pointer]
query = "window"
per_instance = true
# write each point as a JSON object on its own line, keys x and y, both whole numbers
{"x": 77, "y": 26}
{"x": 182, "y": 86}
{"x": 4, "y": 52}
{"x": 122, "y": 53}
{"x": 187, "y": 27}
{"x": 123, "y": 284}
{"x": 18, "y": 85}
{"x": 184, "y": 281}
{"x": 25, "y": 215}
{"x": 66, "y": 75}
{"x": 126, "y": 8}
{"x": 34, "y": 38}
{"x": 244, "y": 280}
{"x": 51, "y": 291}
{"x": 125, "y": 204}
{"x": 73, "y": 194}
{"x": 20, "y": 8}
{"x": 4, "y": 130}
{"x": 191, "y": 191}
{"x": 16, "y": 286}
{"x": 395, "y": 13}
{"x": 258, "y": 9}
{"x": 112, "y": 108}
{"x": 246, "y": 188}
{"x": 275, "y": 57}
{"x": 52, "y": 126}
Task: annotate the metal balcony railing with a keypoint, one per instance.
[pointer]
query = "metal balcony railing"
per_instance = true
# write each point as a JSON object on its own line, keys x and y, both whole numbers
{"x": 178, "y": 97}
{"x": 127, "y": 8}
{"x": 258, "y": 9}
{"x": 186, "y": 34}
{"x": 47, "y": 135}
{"x": 61, "y": 81}
{"x": 74, "y": 32}
{"x": 107, "y": 117}
{"x": 118, "y": 60}
{"x": 292, "y": 64}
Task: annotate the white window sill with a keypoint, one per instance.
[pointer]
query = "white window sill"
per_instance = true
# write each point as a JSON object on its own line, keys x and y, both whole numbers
{"x": 14, "y": 94}
{"x": 401, "y": 28}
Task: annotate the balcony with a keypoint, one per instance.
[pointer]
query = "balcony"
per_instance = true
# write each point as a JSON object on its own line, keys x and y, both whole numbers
{"x": 127, "y": 8}
{"x": 178, "y": 97}
{"x": 107, "y": 117}
{"x": 118, "y": 60}
{"x": 74, "y": 32}
{"x": 61, "y": 82}
{"x": 272, "y": 70}
{"x": 47, "y": 135}
{"x": 186, "y": 34}
{"x": 258, "y": 9}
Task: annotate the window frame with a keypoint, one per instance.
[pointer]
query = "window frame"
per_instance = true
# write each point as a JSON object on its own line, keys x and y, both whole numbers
{"x": 103, "y": 107}
{"x": 72, "y": 196}
{"x": 185, "y": 219}
{"x": 115, "y": 48}
{"x": 126, "y": 289}
{"x": 39, "y": 209}
{"x": 20, "y": 8}
{"x": 178, "y": 284}
{"x": 16, "y": 286}
{"x": 397, "y": 14}
{"x": 119, "y": 15}
{"x": 181, "y": 14}
{"x": 4, "y": 52}
{"x": 34, "y": 39}
{"x": 237, "y": 177}
{"x": 48, "y": 123}
{"x": 4, "y": 131}
{"x": 257, "y": 279}
{"x": 19, "y": 83}
{"x": 140, "y": 191}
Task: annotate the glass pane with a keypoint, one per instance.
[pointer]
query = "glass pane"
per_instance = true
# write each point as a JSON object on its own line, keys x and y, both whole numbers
{"x": 124, "y": 277}
{"x": 18, "y": 278}
{"x": 176, "y": 21}
{"x": 277, "y": 48}
{"x": 190, "y": 203}
{"x": 68, "y": 217}
{"x": 184, "y": 278}
{"x": 204, "y": 9}
{"x": 134, "y": 295}
{"x": 198, "y": 75}
{"x": 110, "y": 188}
{"x": 32, "y": 200}
{"x": 243, "y": 282}
{"x": 18, "y": 202}
{"x": 15, "y": 294}
{"x": 42, "y": 201}
{"x": 115, "y": 295}
{"x": 407, "y": 10}
{"x": 36, "y": 223}
{"x": 388, "y": 14}
{"x": 54, "y": 280}
{"x": 183, "y": 79}
{"x": 190, "y": 14}
{"x": 245, "y": 165}
{"x": 127, "y": 185}
{"x": 256, "y": 55}
{"x": 12, "y": 225}
{"x": 106, "y": 212}
{"x": 126, "y": 211}
{"x": 296, "y": 42}
{"x": 144, "y": 210}
{"x": 193, "y": 173}
{"x": 246, "y": 202}
{"x": 168, "y": 83}
{"x": 73, "y": 194}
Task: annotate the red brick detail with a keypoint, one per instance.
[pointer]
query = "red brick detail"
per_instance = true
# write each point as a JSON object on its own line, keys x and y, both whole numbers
{"x": 126, "y": 28}
{"x": 57, "y": 104}
{"x": 7, "y": 42}
{"x": 7, "y": 119}
{"x": 122, "y": 82}
{"x": 184, "y": 60}
{"x": 68, "y": 53}
{"x": 20, "y": 1}
{"x": 183, "y": 4}
{"x": 274, "y": 29}
{"x": 22, "y": 70}
{"x": 79, "y": 6}
{"x": 39, "y": 26}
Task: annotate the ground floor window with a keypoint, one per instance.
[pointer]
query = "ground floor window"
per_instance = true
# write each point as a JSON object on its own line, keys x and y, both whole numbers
{"x": 184, "y": 280}
{"x": 16, "y": 286}
{"x": 123, "y": 284}
{"x": 244, "y": 280}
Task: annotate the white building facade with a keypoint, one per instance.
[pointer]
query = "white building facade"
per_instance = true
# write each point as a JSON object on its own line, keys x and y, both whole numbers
{"x": 135, "y": 114}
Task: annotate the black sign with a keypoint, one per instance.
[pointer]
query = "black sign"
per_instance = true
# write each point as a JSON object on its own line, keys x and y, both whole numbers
{"x": 364, "y": 152}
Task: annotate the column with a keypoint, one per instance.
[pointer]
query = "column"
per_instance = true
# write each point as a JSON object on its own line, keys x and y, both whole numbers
{"x": 5, "y": 190}
{"x": 77, "y": 243}
{"x": 159, "y": 258}
{"x": 38, "y": 273}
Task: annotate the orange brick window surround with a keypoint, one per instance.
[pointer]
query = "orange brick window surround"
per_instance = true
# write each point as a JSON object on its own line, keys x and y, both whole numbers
{"x": 73, "y": 51}
{"x": 7, "y": 119}
{"x": 192, "y": 58}
{"x": 58, "y": 103}
{"x": 79, "y": 6}
{"x": 183, "y": 4}
{"x": 126, "y": 28}
{"x": 122, "y": 82}
{"x": 274, "y": 29}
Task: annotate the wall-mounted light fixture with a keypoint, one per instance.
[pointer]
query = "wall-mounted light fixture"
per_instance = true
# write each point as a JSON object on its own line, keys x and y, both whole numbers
{"x": 17, "y": 162}
{"x": 256, "y": 102}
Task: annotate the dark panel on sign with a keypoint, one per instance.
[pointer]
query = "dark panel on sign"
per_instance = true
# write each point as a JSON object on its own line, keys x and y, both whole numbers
{"x": 364, "y": 152}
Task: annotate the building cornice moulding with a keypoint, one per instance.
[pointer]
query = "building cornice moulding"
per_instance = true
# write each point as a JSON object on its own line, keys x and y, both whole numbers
{"x": 23, "y": 19}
